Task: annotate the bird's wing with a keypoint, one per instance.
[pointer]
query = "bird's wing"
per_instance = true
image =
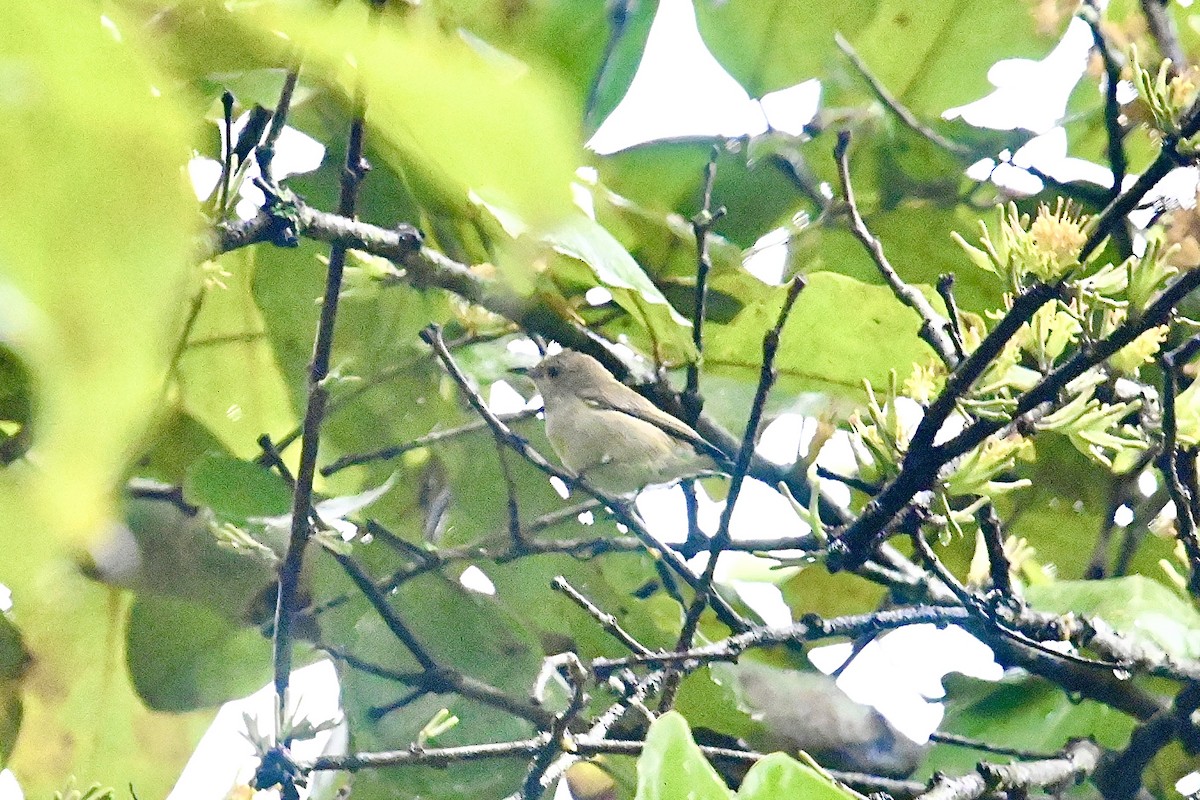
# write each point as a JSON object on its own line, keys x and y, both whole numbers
{"x": 636, "y": 406}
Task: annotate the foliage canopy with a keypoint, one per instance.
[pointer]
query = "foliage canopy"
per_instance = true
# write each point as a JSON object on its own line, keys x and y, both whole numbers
{"x": 233, "y": 445}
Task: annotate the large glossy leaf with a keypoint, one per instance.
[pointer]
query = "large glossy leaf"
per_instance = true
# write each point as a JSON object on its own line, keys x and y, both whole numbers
{"x": 183, "y": 656}
{"x": 14, "y": 664}
{"x": 779, "y": 775}
{"x": 1137, "y": 606}
{"x": 228, "y": 373}
{"x": 593, "y": 48}
{"x": 95, "y": 243}
{"x": 772, "y": 44}
{"x": 461, "y": 630}
{"x": 673, "y": 768}
{"x": 76, "y": 287}
{"x": 824, "y": 346}
{"x": 944, "y": 61}
{"x": 1020, "y": 711}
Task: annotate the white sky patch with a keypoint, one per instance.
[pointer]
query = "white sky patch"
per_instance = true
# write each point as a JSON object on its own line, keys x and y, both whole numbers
{"x": 6, "y": 599}
{"x": 1123, "y": 516}
{"x": 597, "y": 296}
{"x": 909, "y": 693}
{"x": 10, "y": 789}
{"x": 786, "y": 438}
{"x": 679, "y": 90}
{"x": 790, "y": 109}
{"x": 560, "y": 487}
{"x": 295, "y": 154}
{"x": 665, "y": 512}
{"x": 225, "y": 759}
{"x": 1188, "y": 785}
{"x": 1147, "y": 483}
{"x": 476, "y": 580}
{"x": 1031, "y": 94}
{"x": 767, "y": 259}
{"x": 504, "y": 399}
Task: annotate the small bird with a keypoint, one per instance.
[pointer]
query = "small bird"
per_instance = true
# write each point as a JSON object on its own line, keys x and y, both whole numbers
{"x": 611, "y": 436}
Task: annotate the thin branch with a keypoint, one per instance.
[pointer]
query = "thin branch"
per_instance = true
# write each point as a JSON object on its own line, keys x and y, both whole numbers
{"x": 449, "y": 681}
{"x": 1120, "y": 777}
{"x": 395, "y": 451}
{"x": 293, "y": 559}
{"x": 391, "y": 618}
{"x": 1183, "y": 496}
{"x": 1117, "y": 160}
{"x": 702, "y": 223}
{"x": 1162, "y": 28}
{"x": 1168, "y": 158}
{"x": 991, "y": 530}
{"x": 720, "y": 540}
{"x": 424, "y": 267}
{"x": 922, "y": 461}
{"x": 266, "y": 150}
{"x": 945, "y": 288}
{"x": 902, "y": 113}
{"x": 933, "y": 324}
{"x": 533, "y": 788}
{"x": 975, "y": 744}
{"x": 608, "y": 622}
{"x": 1078, "y": 760}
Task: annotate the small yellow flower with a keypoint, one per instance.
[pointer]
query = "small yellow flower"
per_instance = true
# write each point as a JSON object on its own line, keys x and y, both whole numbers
{"x": 1056, "y": 235}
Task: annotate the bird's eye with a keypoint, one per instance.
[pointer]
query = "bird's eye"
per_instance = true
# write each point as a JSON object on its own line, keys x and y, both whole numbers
{"x": 552, "y": 372}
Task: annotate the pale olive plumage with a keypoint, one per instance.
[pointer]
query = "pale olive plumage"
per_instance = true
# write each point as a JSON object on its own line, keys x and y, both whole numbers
{"x": 610, "y": 435}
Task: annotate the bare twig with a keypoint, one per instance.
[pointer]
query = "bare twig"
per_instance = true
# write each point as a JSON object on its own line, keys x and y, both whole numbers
{"x": 1168, "y": 158}
{"x": 945, "y": 288}
{"x": 425, "y": 267}
{"x": 266, "y": 150}
{"x": 993, "y": 539}
{"x": 446, "y": 681}
{"x": 902, "y": 112}
{"x": 702, "y": 223}
{"x": 1120, "y": 777}
{"x": 1169, "y": 461}
{"x": 577, "y": 677}
{"x": 1162, "y": 28}
{"x": 933, "y": 324}
{"x": 720, "y": 540}
{"x": 290, "y": 568}
{"x": 1117, "y": 161}
{"x": 607, "y": 621}
{"x": 395, "y": 451}
{"x": 1077, "y": 761}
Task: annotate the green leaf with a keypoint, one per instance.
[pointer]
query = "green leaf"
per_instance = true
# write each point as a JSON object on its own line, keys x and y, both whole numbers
{"x": 840, "y": 332}
{"x": 14, "y": 664}
{"x": 183, "y": 656}
{"x": 236, "y": 490}
{"x": 772, "y": 44}
{"x": 1019, "y": 711}
{"x": 946, "y": 56}
{"x": 580, "y": 237}
{"x": 462, "y": 630}
{"x": 574, "y": 40}
{"x": 76, "y": 286}
{"x": 672, "y": 767}
{"x": 228, "y": 373}
{"x": 1139, "y": 607}
{"x": 465, "y": 129}
{"x": 779, "y": 776}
